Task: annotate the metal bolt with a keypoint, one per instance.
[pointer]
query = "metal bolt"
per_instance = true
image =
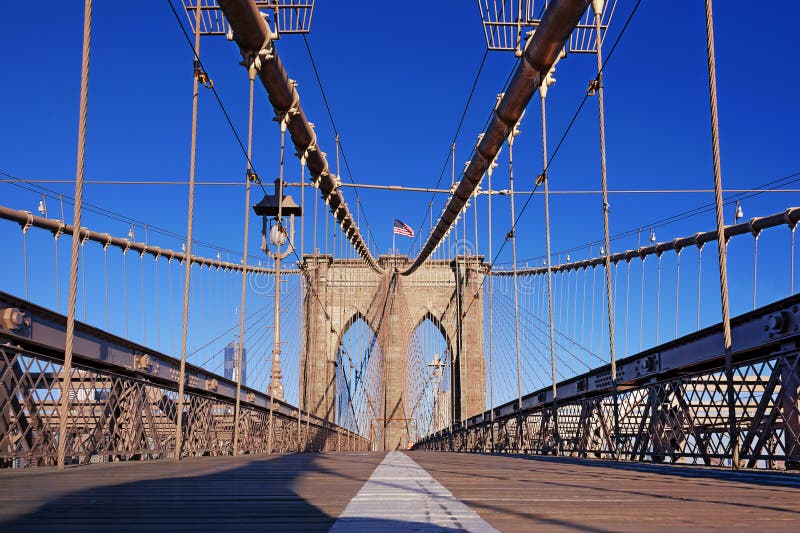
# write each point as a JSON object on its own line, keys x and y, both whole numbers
{"x": 11, "y": 318}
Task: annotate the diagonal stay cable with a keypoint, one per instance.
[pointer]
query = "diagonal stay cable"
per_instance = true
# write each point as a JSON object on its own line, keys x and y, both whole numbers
{"x": 27, "y": 185}
{"x": 772, "y": 185}
{"x": 336, "y": 132}
{"x": 512, "y": 232}
{"x": 461, "y": 121}
{"x": 446, "y": 165}
{"x": 214, "y": 91}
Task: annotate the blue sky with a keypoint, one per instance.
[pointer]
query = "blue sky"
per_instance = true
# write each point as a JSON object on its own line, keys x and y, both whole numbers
{"x": 397, "y": 82}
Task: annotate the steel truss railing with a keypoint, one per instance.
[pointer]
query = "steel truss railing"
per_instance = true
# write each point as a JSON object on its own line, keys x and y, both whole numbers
{"x": 672, "y": 400}
{"x": 123, "y": 401}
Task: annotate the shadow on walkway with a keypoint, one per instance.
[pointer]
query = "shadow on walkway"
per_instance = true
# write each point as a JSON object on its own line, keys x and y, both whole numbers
{"x": 305, "y": 492}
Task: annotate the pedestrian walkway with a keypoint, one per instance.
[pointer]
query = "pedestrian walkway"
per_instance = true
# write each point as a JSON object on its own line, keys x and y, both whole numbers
{"x": 401, "y": 493}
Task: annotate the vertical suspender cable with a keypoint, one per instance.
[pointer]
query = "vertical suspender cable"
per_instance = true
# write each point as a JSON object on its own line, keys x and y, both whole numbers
{"x": 26, "y": 227}
{"x": 699, "y": 273}
{"x": 597, "y": 6}
{"x": 513, "y": 236}
{"x": 144, "y": 321}
{"x": 316, "y": 208}
{"x": 677, "y": 289}
{"x": 171, "y": 305}
{"x": 158, "y": 306}
{"x": 83, "y": 275}
{"x": 721, "y": 241}
{"x": 583, "y": 307}
{"x": 198, "y": 332}
{"x": 755, "y": 267}
{"x": 251, "y": 74}
{"x": 793, "y": 227}
{"x": 188, "y": 256}
{"x": 594, "y": 293}
{"x": 627, "y": 302}
{"x": 275, "y": 386}
{"x": 338, "y": 175}
{"x": 458, "y": 303}
{"x": 641, "y": 308}
{"x": 301, "y": 278}
{"x": 76, "y": 237}
{"x": 658, "y": 299}
{"x": 475, "y": 219}
{"x": 302, "y": 204}
{"x": 56, "y": 235}
{"x": 491, "y": 320}
{"x": 125, "y": 288}
{"x": 543, "y": 94}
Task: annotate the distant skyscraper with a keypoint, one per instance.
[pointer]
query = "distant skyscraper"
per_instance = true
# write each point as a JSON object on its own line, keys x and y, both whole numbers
{"x": 231, "y": 351}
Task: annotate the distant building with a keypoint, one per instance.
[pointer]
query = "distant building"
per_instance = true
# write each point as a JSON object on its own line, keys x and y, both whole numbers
{"x": 230, "y": 370}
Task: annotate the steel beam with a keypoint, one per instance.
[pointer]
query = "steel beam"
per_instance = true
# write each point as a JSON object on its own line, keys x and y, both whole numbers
{"x": 754, "y": 226}
{"x": 27, "y": 220}
{"x": 254, "y": 37}
{"x": 42, "y": 332}
{"x": 770, "y": 329}
{"x": 540, "y": 53}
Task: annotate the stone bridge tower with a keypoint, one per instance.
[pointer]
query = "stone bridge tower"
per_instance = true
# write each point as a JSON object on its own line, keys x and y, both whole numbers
{"x": 340, "y": 291}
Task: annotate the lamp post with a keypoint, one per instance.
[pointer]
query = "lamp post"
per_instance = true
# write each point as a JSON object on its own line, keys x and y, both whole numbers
{"x": 274, "y": 232}
{"x": 436, "y": 365}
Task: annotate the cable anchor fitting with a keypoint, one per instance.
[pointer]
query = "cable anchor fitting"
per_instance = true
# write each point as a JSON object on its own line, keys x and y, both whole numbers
{"x": 263, "y": 55}
{"x": 28, "y": 223}
{"x": 58, "y": 232}
{"x": 202, "y": 76}
{"x": 252, "y": 177}
{"x": 594, "y": 87}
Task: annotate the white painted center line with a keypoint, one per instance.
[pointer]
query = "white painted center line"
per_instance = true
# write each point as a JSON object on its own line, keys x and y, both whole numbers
{"x": 400, "y": 495}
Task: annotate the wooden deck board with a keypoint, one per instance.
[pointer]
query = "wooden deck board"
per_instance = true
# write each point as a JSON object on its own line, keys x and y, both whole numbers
{"x": 308, "y": 492}
{"x": 526, "y": 494}
{"x": 281, "y": 492}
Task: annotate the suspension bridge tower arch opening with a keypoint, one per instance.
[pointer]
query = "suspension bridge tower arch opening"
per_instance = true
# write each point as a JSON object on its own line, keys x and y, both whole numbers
{"x": 341, "y": 293}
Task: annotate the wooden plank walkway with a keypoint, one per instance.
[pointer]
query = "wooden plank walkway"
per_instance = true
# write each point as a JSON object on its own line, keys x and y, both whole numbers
{"x": 400, "y": 495}
{"x": 528, "y": 494}
{"x": 304, "y": 492}
{"x": 308, "y": 492}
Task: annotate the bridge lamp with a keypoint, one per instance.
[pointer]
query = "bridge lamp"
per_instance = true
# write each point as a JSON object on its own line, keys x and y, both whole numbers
{"x": 276, "y": 206}
{"x": 739, "y": 214}
{"x": 270, "y": 208}
{"x": 652, "y": 235}
{"x": 42, "y": 207}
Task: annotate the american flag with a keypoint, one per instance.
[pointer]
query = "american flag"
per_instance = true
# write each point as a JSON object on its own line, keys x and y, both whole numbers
{"x": 401, "y": 228}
